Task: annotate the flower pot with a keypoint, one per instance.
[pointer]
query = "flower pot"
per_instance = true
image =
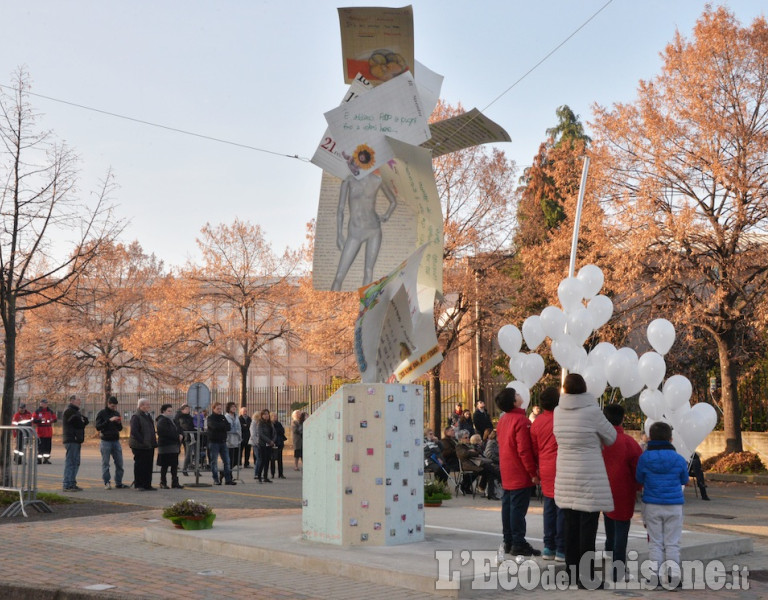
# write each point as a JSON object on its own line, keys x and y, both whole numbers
{"x": 204, "y": 523}
{"x": 192, "y": 522}
{"x": 433, "y": 503}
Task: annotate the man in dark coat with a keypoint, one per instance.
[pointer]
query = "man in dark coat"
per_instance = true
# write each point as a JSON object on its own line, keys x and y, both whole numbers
{"x": 109, "y": 424}
{"x": 481, "y": 419}
{"x": 74, "y": 423}
{"x": 143, "y": 441}
{"x": 218, "y": 426}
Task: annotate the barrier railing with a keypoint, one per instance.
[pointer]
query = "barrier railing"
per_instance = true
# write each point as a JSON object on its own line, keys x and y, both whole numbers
{"x": 195, "y": 452}
{"x": 20, "y": 470}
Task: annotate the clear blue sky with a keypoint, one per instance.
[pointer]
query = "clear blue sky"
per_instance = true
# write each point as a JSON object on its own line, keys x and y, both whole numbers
{"x": 262, "y": 73}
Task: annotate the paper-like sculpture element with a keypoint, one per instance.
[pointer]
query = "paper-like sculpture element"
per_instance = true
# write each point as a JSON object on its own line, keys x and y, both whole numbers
{"x": 359, "y": 126}
{"x": 471, "y": 128}
{"x": 416, "y": 220}
{"x": 411, "y": 176}
{"x": 377, "y": 42}
{"x": 395, "y": 332}
{"x": 328, "y": 155}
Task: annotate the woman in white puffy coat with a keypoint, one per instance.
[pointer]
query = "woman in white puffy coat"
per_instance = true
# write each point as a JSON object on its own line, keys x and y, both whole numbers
{"x": 582, "y": 489}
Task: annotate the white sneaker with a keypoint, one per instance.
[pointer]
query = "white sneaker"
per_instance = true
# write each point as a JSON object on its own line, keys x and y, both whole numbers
{"x": 108, "y": 486}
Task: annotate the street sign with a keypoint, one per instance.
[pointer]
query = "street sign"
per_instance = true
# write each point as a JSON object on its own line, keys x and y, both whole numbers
{"x": 198, "y": 395}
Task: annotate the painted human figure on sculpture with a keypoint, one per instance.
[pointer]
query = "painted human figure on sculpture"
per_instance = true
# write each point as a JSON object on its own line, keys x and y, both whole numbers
{"x": 364, "y": 225}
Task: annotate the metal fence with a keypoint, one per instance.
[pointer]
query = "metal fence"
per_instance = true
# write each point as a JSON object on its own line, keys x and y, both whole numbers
{"x": 19, "y": 473}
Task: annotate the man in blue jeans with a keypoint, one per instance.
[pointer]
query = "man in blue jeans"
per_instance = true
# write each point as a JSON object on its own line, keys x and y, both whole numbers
{"x": 518, "y": 471}
{"x": 218, "y": 426}
{"x": 73, "y": 436}
{"x": 109, "y": 424}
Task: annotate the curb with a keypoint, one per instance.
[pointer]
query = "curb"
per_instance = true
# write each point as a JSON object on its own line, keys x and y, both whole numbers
{"x": 733, "y": 477}
{"x": 19, "y": 591}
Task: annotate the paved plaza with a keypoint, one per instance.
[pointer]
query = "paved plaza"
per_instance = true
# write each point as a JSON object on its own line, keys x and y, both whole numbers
{"x": 255, "y": 550}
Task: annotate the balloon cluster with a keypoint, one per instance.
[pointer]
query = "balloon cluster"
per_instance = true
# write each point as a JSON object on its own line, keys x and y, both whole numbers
{"x": 583, "y": 312}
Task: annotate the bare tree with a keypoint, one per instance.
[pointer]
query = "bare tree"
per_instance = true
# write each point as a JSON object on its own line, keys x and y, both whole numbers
{"x": 244, "y": 292}
{"x": 39, "y": 207}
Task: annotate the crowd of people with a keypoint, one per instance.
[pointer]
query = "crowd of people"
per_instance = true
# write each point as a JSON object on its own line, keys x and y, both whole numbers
{"x": 226, "y": 436}
{"x": 580, "y": 461}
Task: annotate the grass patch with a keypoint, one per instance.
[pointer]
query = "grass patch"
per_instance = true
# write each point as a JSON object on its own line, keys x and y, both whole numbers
{"x": 7, "y": 498}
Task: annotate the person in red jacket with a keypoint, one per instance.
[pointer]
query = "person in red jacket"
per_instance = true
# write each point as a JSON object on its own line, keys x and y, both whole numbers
{"x": 22, "y": 417}
{"x": 44, "y": 418}
{"x": 545, "y": 453}
{"x": 518, "y": 471}
{"x": 620, "y": 463}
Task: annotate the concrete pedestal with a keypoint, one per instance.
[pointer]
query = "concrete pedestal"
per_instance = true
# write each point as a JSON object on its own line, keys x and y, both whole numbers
{"x": 364, "y": 467}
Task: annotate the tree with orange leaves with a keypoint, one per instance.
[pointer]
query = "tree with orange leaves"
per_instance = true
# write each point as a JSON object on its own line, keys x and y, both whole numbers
{"x": 686, "y": 187}
{"x": 476, "y": 189}
{"x": 89, "y": 331}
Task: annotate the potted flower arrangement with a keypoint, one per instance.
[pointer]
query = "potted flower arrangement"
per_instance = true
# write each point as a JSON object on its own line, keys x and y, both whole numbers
{"x": 190, "y": 514}
{"x": 435, "y": 492}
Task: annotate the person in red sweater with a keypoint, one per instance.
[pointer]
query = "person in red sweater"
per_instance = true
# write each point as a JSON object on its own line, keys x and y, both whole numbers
{"x": 44, "y": 418}
{"x": 518, "y": 471}
{"x": 620, "y": 463}
{"x": 545, "y": 453}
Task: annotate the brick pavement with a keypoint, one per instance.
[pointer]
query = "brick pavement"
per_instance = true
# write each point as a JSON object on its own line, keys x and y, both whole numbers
{"x": 71, "y": 554}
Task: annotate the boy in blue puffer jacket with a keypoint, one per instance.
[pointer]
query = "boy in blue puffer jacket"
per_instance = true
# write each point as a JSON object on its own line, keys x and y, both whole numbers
{"x": 662, "y": 472}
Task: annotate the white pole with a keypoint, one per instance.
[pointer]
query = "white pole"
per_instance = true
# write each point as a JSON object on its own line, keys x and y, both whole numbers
{"x": 575, "y": 239}
{"x": 577, "y": 218}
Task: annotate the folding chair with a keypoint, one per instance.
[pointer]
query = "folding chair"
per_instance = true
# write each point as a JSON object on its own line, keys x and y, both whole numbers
{"x": 473, "y": 479}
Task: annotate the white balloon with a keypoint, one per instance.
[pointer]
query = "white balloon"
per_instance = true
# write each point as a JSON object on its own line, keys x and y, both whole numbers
{"x": 533, "y": 332}
{"x": 510, "y": 339}
{"x": 579, "y": 361}
{"x": 652, "y": 369}
{"x": 697, "y": 424}
{"x": 533, "y": 369}
{"x": 592, "y": 278}
{"x": 661, "y": 335}
{"x": 570, "y": 293}
{"x": 652, "y": 403}
{"x": 677, "y": 418}
{"x": 579, "y": 324}
{"x": 553, "y": 322}
{"x": 677, "y": 391}
{"x": 600, "y": 309}
{"x": 521, "y": 389}
{"x": 600, "y": 354}
{"x": 622, "y": 365}
{"x": 614, "y": 368}
{"x": 595, "y": 379}
{"x": 682, "y": 448}
{"x": 516, "y": 364}
{"x": 629, "y": 354}
{"x": 565, "y": 351}
{"x": 631, "y": 383}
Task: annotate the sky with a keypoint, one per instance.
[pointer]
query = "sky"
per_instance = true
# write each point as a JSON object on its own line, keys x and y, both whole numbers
{"x": 259, "y": 74}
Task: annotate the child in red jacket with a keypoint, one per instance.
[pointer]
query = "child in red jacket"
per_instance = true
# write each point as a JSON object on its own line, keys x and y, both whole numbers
{"x": 620, "y": 464}
{"x": 518, "y": 471}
